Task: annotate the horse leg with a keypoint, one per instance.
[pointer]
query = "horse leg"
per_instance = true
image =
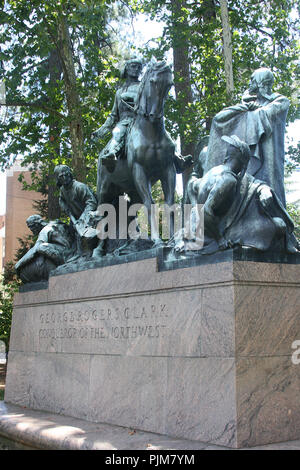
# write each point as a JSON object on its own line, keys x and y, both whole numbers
{"x": 143, "y": 188}
{"x": 103, "y": 196}
{"x": 103, "y": 188}
{"x": 99, "y": 175}
{"x": 168, "y": 183}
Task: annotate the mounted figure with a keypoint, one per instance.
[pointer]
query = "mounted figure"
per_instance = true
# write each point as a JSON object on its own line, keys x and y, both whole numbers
{"x": 149, "y": 150}
{"x": 122, "y": 113}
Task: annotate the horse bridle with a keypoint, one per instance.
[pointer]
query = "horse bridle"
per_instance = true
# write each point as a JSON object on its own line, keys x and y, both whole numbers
{"x": 163, "y": 67}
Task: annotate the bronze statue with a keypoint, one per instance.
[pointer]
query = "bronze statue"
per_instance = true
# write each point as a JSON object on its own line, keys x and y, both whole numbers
{"x": 122, "y": 113}
{"x": 238, "y": 209}
{"x": 150, "y": 152}
{"x": 78, "y": 202}
{"x": 260, "y": 121}
{"x": 236, "y": 188}
{"x": 53, "y": 247}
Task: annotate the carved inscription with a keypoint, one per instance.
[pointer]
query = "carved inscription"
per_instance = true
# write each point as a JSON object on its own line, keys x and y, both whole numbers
{"x": 118, "y": 323}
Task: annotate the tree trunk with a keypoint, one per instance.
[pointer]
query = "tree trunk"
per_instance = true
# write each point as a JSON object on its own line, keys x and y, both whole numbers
{"x": 227, "y": 49}
{"x": 55, "y": 71}
{"x": 209, "y": 14}
{"x": 182, "y": 77}
{"x": 72, "y": 97}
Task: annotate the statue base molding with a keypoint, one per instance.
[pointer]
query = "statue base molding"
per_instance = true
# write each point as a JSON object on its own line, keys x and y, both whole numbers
{"x": 201, "y": 352}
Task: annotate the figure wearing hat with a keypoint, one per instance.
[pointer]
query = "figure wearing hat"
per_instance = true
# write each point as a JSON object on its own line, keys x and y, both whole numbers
{"x": 122, "y": 113}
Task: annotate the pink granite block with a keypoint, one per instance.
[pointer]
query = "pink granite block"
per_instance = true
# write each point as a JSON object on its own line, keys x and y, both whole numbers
{"x": 267, "y": 319}
{"x": 200, "y": 353}
{"x": 267, "y": 400}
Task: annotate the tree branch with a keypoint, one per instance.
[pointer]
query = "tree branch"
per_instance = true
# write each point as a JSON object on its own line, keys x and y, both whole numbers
{"x": 38, "y": 105}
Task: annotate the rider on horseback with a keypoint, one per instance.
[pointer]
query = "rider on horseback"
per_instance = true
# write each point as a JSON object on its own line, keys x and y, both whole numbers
{"x": 123, "y": 110}
{"x": 123, "y": 114}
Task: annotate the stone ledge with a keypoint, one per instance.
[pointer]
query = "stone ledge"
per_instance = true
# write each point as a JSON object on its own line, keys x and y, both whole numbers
{"x": 31, "y": 429}
{"x": 42, "y": 430}
{"x": 166, "y": 260}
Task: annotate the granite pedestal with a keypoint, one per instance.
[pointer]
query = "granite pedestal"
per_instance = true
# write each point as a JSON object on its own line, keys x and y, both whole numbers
{"x": 201, "y": 352}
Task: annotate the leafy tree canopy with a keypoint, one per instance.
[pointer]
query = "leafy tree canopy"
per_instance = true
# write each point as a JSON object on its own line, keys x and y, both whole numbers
{"x": 37, "y": 79}
{"x": 45, "y": 108}
{"x": 264, "y": 33}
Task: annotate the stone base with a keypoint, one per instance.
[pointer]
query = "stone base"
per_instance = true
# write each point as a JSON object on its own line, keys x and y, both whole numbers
{"x": 201, "y": 353}
{"x": 25, "y": 429}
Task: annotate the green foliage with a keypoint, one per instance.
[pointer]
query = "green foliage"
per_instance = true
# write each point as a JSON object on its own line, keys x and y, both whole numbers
{"x": 8, "y": 287}
{"x": 263, "y": 34}
{"x": 294, "y": 211}
{"x": 37, "y": 119}
{"x": 293, "y": 158}
{"x": 24, "y": 245}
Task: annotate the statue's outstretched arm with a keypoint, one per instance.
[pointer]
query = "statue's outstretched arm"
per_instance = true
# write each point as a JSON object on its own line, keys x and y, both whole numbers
{"x": 230, "y": 112}
{"x": 42, "y": 238}
{"x": 26, "y": 258}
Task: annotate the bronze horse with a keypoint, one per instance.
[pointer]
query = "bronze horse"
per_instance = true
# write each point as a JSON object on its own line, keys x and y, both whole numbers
{"x": 149, "y": 151}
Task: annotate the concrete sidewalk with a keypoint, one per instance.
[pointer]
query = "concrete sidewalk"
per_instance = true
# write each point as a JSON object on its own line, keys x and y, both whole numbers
{"x": 22, "y": 428}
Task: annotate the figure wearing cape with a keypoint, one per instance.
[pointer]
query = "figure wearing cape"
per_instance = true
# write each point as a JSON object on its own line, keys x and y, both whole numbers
{"x": 122, "y": 113}
{"x": 260, "y": 121}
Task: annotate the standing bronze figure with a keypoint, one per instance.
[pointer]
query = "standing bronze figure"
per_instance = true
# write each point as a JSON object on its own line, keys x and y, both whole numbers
{"x": 260, "y": 121}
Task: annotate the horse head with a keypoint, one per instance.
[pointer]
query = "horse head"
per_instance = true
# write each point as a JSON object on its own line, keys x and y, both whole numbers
{"x": 154, "y": 87}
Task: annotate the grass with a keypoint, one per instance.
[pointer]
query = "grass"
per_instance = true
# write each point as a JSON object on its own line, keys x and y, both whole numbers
{"x": 1, "y": 394}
